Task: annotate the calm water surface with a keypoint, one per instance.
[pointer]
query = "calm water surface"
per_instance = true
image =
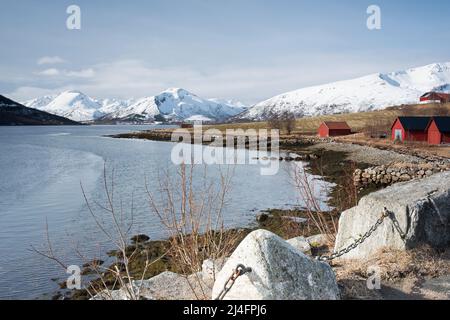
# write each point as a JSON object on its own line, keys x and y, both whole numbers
{"x": 41, "y": 172}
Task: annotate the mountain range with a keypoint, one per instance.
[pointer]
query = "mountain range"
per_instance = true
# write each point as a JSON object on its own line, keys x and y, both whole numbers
{"x": 13, "y": 113}
{"x": 372, "y": 92}
{"x": 173, "y": 104}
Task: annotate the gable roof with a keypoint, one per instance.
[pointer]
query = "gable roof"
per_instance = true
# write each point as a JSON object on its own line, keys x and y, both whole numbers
{"x": 414, "y": 123}
{"x": 443, "y": 123}
{"x": 337, "y": 125}
{"x": 439, "y": 94}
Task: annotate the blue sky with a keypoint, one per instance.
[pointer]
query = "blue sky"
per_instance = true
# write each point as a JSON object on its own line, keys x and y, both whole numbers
{"x": 235, "y": 49}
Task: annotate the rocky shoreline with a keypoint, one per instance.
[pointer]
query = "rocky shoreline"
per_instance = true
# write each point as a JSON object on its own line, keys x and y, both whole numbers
{"x": 327, "y": 160}
{"x": 285, "y": 223}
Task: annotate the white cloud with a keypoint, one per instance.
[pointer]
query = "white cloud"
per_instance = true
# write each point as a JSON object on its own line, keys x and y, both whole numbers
{"x": 49, "y": 72}
{"x": 135, "y": 78}
{"x": 53, "y": 72}
{"x": 22, "y": 94}
{"x": 50, "y": 60}
{"x": 85, "y": 73}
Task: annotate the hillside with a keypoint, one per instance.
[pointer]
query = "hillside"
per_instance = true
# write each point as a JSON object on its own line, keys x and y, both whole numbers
{"x": 13, "y": 113}
{"x": 358, "y": 121}
{"x": 369, "y": 93}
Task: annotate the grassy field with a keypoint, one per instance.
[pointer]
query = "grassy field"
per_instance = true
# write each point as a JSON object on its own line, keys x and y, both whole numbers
{"x": 357, "y": 121}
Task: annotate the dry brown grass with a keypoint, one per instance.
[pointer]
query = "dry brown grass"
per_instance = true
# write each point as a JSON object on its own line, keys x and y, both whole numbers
{"x": 401, "y": 270}
{"x": 357, "y": 121}
{"x": 398, "y": 264}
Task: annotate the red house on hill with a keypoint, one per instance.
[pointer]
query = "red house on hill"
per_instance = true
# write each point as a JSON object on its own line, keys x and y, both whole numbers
{"x": 435, "y": 97}
{"x": 333, "y": 129}
{"x": 439, "y": 130}
{"x": 410, "y": 128}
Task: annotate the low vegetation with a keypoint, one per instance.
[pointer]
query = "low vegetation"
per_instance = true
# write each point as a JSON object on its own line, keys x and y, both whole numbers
{"x": 359, "y": 122}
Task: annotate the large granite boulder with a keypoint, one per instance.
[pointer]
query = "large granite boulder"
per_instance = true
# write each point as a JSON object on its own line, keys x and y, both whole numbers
{"x": 421, "y": 207}
{"x": 279, "y": 272}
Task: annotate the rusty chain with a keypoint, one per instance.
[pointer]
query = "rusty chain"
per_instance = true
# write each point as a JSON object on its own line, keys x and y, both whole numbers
{"x": 386, "y": 213}
{"x": 239, "y": 271}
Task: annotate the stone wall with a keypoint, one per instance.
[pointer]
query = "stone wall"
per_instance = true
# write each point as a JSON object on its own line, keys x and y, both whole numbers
{"x": 400, "y": 172}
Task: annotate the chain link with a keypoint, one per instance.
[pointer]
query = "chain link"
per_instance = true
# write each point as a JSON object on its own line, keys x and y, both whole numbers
{"x": 365, "y": 236}
{"x": 239, "y": 271}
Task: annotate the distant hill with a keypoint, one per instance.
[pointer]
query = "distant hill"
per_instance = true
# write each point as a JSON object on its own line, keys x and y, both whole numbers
{"x": 14, "y": 114}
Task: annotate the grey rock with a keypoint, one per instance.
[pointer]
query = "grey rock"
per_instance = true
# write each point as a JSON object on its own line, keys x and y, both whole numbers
{"x": 173, "y": 286}
{"x": 279, "y": 272}
{"x": 300, "y": 243}
{"x": 421, "y": 207}
{"x": 165, "y": 286}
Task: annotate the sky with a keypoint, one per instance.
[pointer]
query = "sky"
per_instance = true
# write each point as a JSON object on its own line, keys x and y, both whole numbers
{"x": 246, "y": 50}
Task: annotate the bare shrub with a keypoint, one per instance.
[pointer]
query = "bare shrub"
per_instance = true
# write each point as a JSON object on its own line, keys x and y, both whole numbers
{"x": 116, "y": 224}
{"x": 192, "y": 215}
{"x": 274, "y": 121}
{"x": 378, "y": 128}
{"x": 308, "y": 191}
{"x": 286, "y": 121}
{"x": 346, "y": 193}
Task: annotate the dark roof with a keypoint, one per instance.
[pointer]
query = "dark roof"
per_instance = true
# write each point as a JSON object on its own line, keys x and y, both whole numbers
{"x": 414, "y": 123}
{"x": 337, "y": 125}
{"x": 439, "y": 94}
{"x": 443, "y": 123}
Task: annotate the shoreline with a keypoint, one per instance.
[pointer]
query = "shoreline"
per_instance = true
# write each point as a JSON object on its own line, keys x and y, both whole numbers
{"x": 330, "y": 163}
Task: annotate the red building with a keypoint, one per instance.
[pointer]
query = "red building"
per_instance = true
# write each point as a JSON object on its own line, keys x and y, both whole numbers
{"x": 438, "y": 97}
{"x": 410, "y": 128}
{"x": 333, "y": 129}
{"x": 439, "y": 130}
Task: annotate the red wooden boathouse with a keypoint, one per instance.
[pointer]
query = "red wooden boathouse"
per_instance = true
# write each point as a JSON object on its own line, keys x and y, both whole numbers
{"x": 410, "y": 129}
{"x": 439, "y": 130}
{"x": 333, "y": 129}
{"x": 438, "y": 97}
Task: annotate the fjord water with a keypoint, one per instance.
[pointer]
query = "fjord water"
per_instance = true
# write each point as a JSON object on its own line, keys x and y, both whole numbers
{"x": 41, "y": 173}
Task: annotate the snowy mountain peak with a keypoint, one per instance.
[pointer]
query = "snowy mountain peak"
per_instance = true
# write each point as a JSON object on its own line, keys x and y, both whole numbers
{"x": 176, "y": 92}
{"x": 172, "y": 104}
{"x": 75, "y": 98}
{"x": 372, "y": 92}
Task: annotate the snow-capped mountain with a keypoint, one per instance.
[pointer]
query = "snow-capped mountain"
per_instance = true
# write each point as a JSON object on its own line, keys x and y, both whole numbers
{"x": 173, "y": 104}
{"x": 372, "y": 92}
{"x": 178, "y": 104}
{"x": 109, "y": 106}
{"x": 69, "y": 104}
